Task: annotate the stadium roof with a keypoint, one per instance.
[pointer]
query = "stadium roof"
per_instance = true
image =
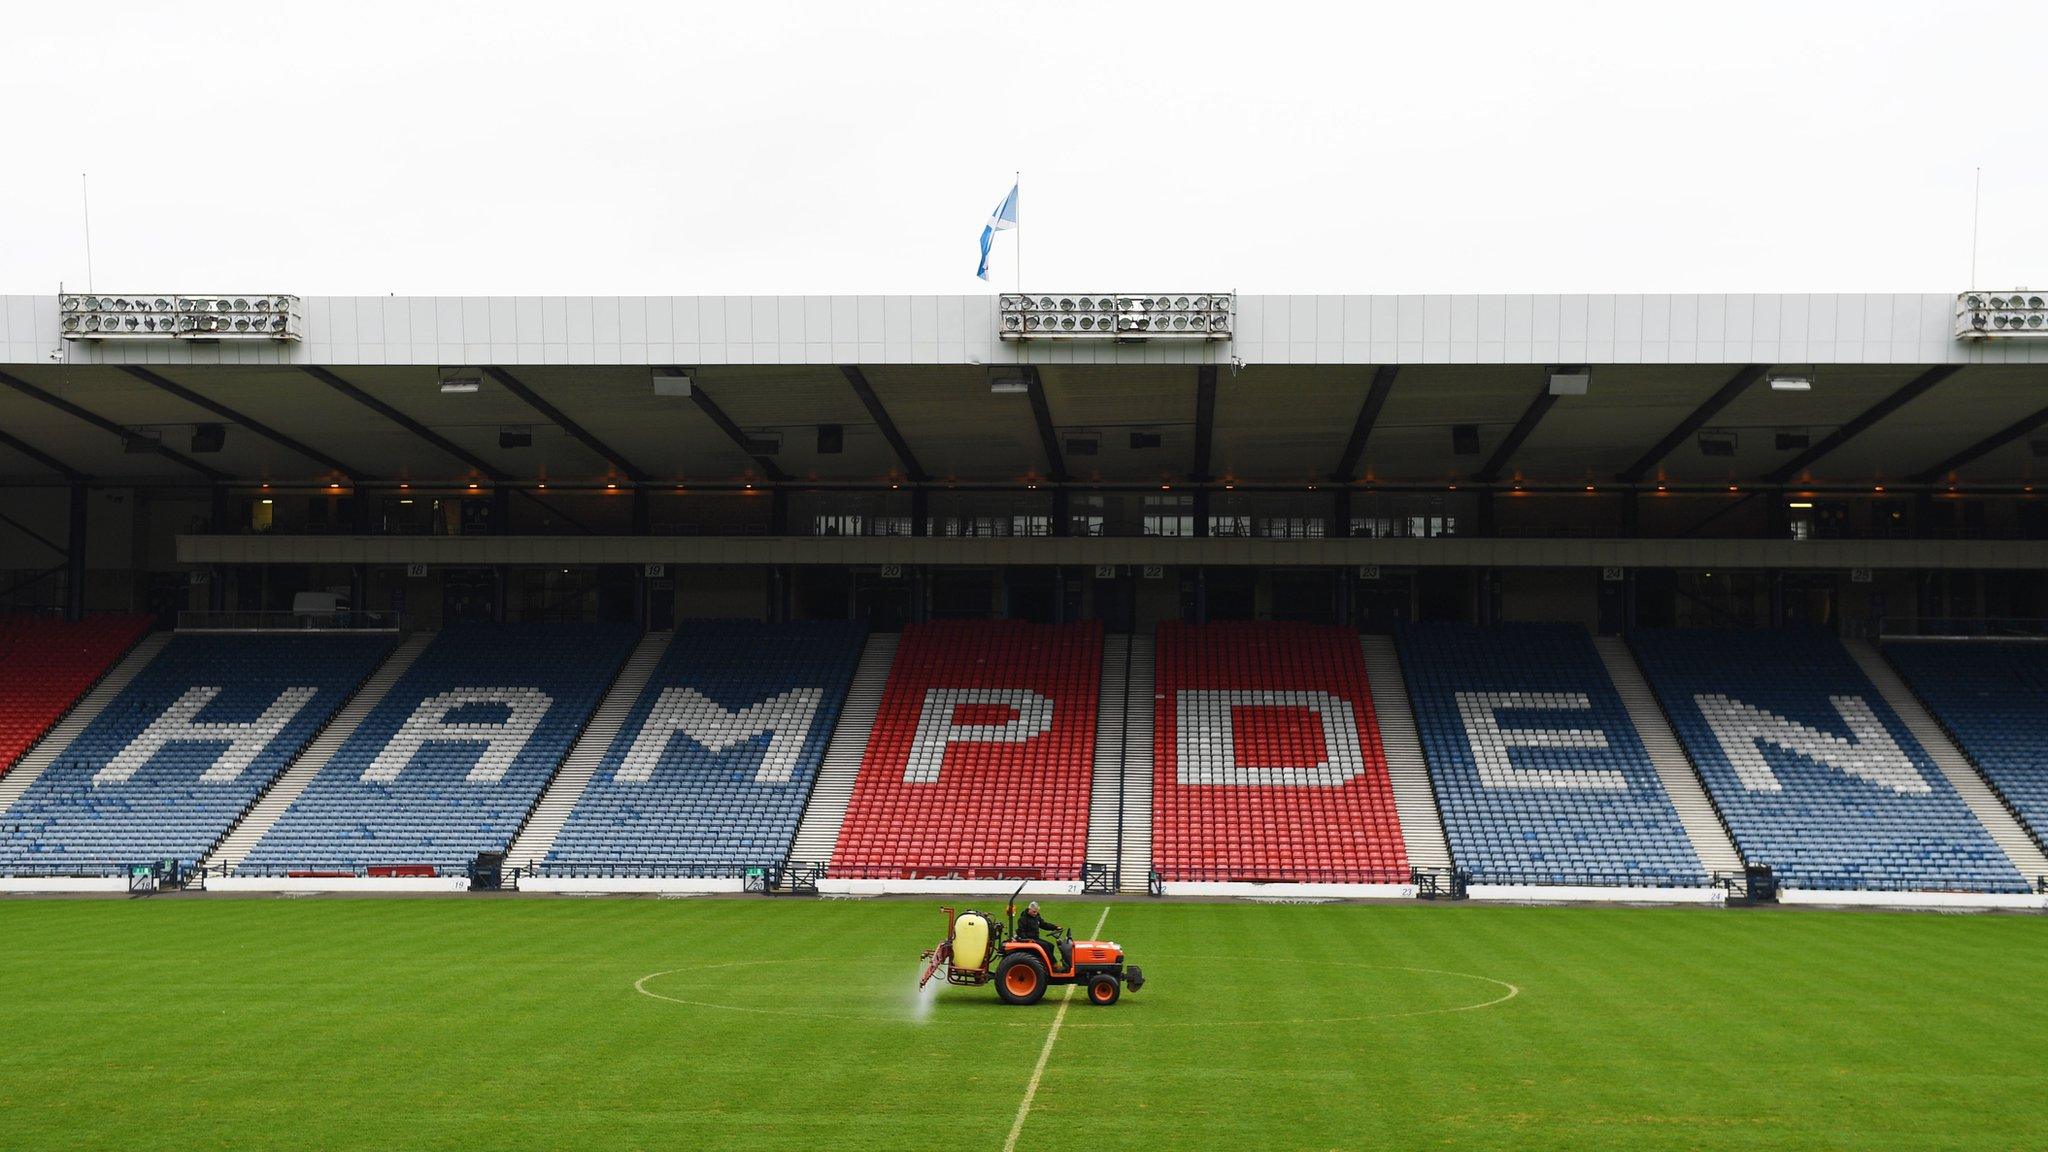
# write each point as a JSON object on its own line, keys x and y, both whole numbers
{"x": 1307, "y": 389}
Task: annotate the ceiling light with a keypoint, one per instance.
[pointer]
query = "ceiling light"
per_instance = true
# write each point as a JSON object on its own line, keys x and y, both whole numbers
{"x": 1569, "y": 381}
{"x": 1791, "y": 382}
{"x": 1008, "y": 386}
{"x": 672, "y": 382}
{"x": 266, "y": 499}
{"x": 460, "y": 381}
{"x": 1800, "y": 504}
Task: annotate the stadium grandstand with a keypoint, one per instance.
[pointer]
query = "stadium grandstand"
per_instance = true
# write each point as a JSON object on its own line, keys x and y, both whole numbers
{"x": 1631, "y": 597}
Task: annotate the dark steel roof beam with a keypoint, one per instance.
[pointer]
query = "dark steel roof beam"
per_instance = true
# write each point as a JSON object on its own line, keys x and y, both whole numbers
{"x": 1906, "y": 394}
{"x": 561, "y": 420}
{"x": 911, "y": 468}
{"x": 483, "y": 467}
{"x": 1205, "y": 423}
{"x": 1531, "y": 416}
{"x": 1982, "y": 448}
{"x": 1048, "y": 436}
{"x": 253, "y": 425}
{"x": 1361, "y": 429}
{"x": 1708, "y": 409}
{"x": 732, "y": 431}
{"x": 101, "y": 422}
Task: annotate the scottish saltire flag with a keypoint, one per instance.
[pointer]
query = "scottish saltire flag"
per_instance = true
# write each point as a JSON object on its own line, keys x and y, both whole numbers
{"x": 1004, "y": 218}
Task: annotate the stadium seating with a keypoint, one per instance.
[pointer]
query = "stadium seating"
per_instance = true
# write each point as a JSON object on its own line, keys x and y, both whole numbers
{"x": 1814, "y": 773}
{"x": 1539, "y": 774}
{"x": 981, "y": 757}
{"x": 453, "y": 758}
{"x": 709, "y": 774}
{"x": 1267, "y": 762}
{"x": 47, "y": 662}
{"x": 1993, "y": 699}
{"x": 171, "y": 763}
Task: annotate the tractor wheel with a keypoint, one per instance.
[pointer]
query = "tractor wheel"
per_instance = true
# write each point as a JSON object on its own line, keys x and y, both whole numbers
{"x": 1135, "y": 977}
{"x": 1021, "y": 979}
{"x": 1103, "y": 990}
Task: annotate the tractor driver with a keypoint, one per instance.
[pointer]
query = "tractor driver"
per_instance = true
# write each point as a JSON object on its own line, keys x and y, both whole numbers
{"x": 1031, "y": 923}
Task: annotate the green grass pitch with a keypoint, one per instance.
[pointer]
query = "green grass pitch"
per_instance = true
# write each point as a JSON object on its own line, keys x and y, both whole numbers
{"x": 512, "y": 1023}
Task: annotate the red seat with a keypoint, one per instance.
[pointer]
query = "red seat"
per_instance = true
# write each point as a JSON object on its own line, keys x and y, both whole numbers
{"x": 1270, "y": 791}
{"x": 46, "y": 663}
{"x": 994, "y": 782}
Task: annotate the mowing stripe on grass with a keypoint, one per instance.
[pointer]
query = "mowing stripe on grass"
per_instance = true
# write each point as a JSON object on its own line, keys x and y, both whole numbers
{"x": 1031, "y": 1089}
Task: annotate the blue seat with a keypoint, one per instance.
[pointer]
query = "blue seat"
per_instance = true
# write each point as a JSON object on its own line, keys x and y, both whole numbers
{"x": 383, "y": 801}
{"x": 1993, "y": 699}
{"x": 692, "y": 785}
{"x": 1539, "y": 805}
{"x": 96, "y": 811}
{"x": 1814, "y": 773}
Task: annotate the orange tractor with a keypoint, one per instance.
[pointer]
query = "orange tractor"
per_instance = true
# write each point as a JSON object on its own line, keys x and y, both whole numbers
{"x": 978, "y": 949}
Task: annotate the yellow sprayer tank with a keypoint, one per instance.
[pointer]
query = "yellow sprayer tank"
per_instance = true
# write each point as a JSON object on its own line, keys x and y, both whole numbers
{"x": 970, "y": 941}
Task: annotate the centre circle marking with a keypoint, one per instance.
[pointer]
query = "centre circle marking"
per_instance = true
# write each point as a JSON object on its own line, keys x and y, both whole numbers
{"x": 1508, "y": 992}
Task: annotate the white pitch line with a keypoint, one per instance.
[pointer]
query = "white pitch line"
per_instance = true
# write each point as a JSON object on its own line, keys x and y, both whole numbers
{"x": 1045, "y": 1053}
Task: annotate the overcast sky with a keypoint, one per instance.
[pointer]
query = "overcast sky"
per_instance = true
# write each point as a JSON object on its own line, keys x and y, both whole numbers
{"x": 589, "y": 148}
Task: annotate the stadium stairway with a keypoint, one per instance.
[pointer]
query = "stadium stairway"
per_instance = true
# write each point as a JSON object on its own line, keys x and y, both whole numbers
{"x": 1990, "y": 810}
{"x": 1696, "y": 812}
{"x": 551, "y": 812}
{"x": 234, "y": 847}
{"x": 38, "y": 759}
{"x": 1422, "y": 823}
{"x": 1140, "y": 698}
{"x": 825, "y": 811}
{"x": 1105, "y": 796}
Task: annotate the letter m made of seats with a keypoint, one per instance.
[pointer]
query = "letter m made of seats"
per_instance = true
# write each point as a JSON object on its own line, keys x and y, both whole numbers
{"x": 1869, "y": 753}
{"x": 180, "y": 724}
{"x": 785, "y": 718}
